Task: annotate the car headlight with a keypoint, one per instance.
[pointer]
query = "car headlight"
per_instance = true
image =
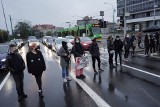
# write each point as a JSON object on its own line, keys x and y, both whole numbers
{"x": 84, "y": 44}
{"x": 3, "y": 60}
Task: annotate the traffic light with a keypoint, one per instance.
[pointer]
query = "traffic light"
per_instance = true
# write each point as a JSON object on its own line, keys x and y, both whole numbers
{"x": 102, "y": 24}
{"x": 121, "y": 22}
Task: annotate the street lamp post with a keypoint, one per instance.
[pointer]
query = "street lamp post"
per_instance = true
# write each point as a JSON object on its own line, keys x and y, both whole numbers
{"x": 125, "y": 24}
{"x": 113, "y": 16}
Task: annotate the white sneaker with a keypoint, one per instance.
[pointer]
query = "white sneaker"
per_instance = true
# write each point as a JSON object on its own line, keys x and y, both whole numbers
{"x": 65, "y": 80}
{"x": 68, "y": 79}
{"x": 151, "y": 54}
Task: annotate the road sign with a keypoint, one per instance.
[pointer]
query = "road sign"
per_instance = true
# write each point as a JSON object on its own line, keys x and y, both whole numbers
{"x": 101, "y": 13}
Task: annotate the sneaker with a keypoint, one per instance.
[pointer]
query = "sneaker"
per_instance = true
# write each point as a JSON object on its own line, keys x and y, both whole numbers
{"x": 151, "y": 54}
{"x": 95, "y": 72}
{"x": 68, "y": 79}
{"x": 20, "y": 98}
{"x": 78, "y": 77}
{"x": 24, "y": 96}
{"x": 100, "y": 69}
{"x": 41, "y": 94}
{"x": 65, "y": 80}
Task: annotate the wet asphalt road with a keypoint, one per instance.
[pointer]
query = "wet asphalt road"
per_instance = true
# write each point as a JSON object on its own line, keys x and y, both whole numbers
{"x": 121, "y": 87}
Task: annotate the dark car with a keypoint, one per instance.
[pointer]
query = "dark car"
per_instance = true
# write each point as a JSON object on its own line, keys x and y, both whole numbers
{"x": 4, "y": 50}
{"x": 85, "y": 42}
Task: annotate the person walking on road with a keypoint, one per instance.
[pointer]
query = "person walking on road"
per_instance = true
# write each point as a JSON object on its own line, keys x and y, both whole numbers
{"x": 94, "y": 51}
{"x": 118, "y": 45}
{"x": 126, "y": 43}
{"x": 147, "y": 44}
{"x": 110, "y": 46}
{"x": 64, "y": 61}
{"x": 133, "y": 44}
{"x": 15, "y": 64}
{"x": 152, "y": 45}
{"x": 36, "y": 65}
{"x": 78, "y": 51}
{"x": 157, "y": 41}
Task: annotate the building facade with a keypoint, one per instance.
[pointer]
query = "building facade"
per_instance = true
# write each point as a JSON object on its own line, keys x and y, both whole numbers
{"x": 141, "y": 13}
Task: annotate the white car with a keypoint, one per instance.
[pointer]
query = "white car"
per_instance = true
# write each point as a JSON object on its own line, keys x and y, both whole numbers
{"x": 70, "y": 38}
{"x": 34, "y": 41}
{"x": 57, "y": 44}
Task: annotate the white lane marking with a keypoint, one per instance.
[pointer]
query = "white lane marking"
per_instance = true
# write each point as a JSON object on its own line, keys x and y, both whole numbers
{"x": 4, "y": 81}
{"x": 98, "y": 100}
{"x": 146, "y": 72}
{"x": 149, "y": 56}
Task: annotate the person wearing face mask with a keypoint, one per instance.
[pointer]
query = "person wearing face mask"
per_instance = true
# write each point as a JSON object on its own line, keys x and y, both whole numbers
{"x": 36, "y": 65}
{"x": 126, "y": 43}
{"x": 94, "y": 51}
{"x": 64, "y": 61}
{"x": 110, "y": 46}
{"x": 118, "y": 45}
{"x": 78, "y": 51}
{"x": 15, "y": 64}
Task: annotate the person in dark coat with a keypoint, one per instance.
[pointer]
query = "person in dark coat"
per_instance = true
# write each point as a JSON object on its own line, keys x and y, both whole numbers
{"x": 152, "y": 44}
{"x": 64, "y": 61}
{"x": 110, "y": 46}
{"x": 78, "y": 51}
{"x": 147, "y": 44}
{"x": 126, "y": 43}
{"x": 118, "y": 45}
{"x": 36, "y": 65}
{"x": 133, "y": 44}
{"x": 94, "y": 51}
{"x": 157, "y": 41}
{"x": 15, "y": 64}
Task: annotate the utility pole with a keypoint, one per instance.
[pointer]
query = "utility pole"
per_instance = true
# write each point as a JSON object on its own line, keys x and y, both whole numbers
{"x": 125, "y": 25}
{"x": 11, "y": 24}
{"x": 4, "y": 16}
{"x": 154, "y": 12}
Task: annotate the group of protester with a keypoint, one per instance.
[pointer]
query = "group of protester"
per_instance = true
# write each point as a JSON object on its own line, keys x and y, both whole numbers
{"x": 36, "y": 63}
{"x": 152, "y": 43}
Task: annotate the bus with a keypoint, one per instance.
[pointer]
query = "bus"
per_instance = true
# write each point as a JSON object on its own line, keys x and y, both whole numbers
{"x": 90, "y": 30}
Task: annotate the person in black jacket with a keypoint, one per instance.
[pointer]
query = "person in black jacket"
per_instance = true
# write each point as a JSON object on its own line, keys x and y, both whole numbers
{"x": 15, "y": 64}
{"x": 147, "y": 44}
{"x": 152, "y": 44}
{"x": 126, "y": 43}
{"x": 111, "y": 51}
{"x": 94, "y": 51}
{"x": 118, "y": 45}
{"x": 78, "y": 51}
{"x": 36, "y": 65}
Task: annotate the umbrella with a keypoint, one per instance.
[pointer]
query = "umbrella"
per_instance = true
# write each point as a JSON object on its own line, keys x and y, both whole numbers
{"x": 152, "y": 29}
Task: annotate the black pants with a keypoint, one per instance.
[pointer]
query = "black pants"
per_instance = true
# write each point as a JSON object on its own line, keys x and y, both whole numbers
{"x": 126, "y": 54}
{"x": 152, "y": 48}
{"x": 133, "y": 50}
{"x": 147, "y": 49}
{"x": 39, "y": 80}
{"x": 120, "y": 56}
{"x": 110, "y": 59}
{"x": 94, "y": 58}
{"x": 18, "y": 78}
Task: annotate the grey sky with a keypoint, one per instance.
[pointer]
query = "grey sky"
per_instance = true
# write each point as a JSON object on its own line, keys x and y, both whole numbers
{"x": 55, "y": 12}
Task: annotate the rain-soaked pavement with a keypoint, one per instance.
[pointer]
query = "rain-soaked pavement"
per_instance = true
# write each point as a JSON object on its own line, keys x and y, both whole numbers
{"x": 135, "y": 84}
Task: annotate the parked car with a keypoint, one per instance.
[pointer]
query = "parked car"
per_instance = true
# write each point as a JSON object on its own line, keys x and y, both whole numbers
{"x": 57, "y": 44}
{"x": 85, "y": 42}
{"x": 70, "y": 38}
{"x": 34, "y": 41}
{"x": 44, "y": 40}
{"x": 4, "y": 50}
{"x": 31, "y": 37}
{"x": 49, "y": 43}
{"x": 21, "y": 42}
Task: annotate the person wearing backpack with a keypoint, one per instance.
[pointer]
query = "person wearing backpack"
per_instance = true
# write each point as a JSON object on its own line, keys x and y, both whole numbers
{"x": 64, "y": 61}
{"x": 15, "y": 64}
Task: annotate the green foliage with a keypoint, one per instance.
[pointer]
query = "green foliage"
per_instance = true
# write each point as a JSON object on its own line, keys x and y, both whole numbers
{"x": 3, "y": 36}
{"x": 23, "y": 28}
{"x": 49, "y": 33}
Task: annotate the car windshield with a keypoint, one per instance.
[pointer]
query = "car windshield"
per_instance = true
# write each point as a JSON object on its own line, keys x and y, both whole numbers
{"x": 83, "y": 39}
{"x": 59, "y": 41}
{"x": 3, "y": 49}
{"x": 50, "y": 40}
{"x": 33, "y": 40}
{"x": 32, "y": 37}
{"x": 69, "y": 37}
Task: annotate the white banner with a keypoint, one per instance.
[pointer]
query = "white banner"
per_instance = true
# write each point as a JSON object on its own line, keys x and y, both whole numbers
{"x": 82, "y": 62}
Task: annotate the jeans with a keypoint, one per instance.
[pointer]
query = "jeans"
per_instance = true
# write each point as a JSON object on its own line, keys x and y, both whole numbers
{"x": 18, "y": 78}
{"x": 94, "y": 58}
{"x": 39, "y": 80}
{"x": 65, "y": 71}
{"x": 120, "y": 56}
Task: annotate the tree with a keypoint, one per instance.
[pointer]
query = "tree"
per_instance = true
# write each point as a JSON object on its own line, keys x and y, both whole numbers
{"x": 3, "y": 36}
{"x": 49, "y": 33}
{"x": 23, "y": 28}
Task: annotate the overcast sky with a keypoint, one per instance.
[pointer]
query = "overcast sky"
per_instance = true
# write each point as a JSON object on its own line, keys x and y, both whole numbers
{"x": 56, "y": 12}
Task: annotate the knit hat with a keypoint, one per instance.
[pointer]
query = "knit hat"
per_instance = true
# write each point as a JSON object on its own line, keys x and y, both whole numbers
{"x": 64, "y": 43}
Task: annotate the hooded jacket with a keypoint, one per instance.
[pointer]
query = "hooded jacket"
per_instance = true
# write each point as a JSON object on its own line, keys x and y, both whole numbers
{"x": 94, "y": 49}
{"x": 118, "y": 45}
